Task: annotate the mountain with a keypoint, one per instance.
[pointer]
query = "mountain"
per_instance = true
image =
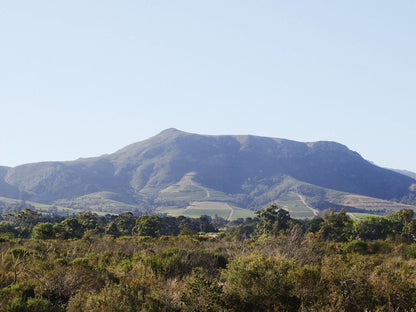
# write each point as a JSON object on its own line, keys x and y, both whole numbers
{"x": 175, "y": 169}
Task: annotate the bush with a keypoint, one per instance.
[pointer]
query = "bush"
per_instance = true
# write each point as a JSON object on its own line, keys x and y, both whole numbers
{"x": 355, "y": 246}
{"x": 42, "y": 305}
{"x": 410, "y": 251}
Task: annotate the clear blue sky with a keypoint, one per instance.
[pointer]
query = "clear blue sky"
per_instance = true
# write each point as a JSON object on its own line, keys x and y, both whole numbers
{"x": 84, "y": 78}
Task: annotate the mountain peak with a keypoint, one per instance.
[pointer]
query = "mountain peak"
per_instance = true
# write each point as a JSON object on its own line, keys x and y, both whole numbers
{"x": 171, "y": 131}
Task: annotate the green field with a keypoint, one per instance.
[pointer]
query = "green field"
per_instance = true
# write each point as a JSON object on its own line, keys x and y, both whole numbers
{"x": 44, "y": 208}
{"x": 292, "y": 203}
{"x": 100, "y": 203}
{"x": 55, "y": 209}
{"x": 62, "y": 211}
{"x": 367, "y": 203}
{"x": 181, "y": 196}
{"x": 210, "y": 208}
{"x": 360, "y": 216}
{"x": 178, "y": 192}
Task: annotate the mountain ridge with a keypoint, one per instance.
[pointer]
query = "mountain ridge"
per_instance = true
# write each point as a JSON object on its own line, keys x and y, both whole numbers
{"x": 243, "y": 167}
{"x": 406, "y": 173}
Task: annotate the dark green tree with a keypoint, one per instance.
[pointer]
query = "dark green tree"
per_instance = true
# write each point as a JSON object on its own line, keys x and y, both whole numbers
{"x": 372, "y": 228}
{"x": 314, "y": 225}
{"x": 43, "y": 230}
{"x": 7, "y": 227}
{"x": 125, "y": 223}
{"x": 205, "y": 224}
{"x": 112, "y": 229}
{"x": 148, "y": 226}
{"x": 271, "y": 220}
{"x": 402, "y": 223}
{"x": 72, "y": 227}
{"x": 337, "y": 226}
{"x": 88, "y": 220}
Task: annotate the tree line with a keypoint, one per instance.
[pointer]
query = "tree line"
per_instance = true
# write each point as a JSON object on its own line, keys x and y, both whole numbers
{"x": 28, "y": 223}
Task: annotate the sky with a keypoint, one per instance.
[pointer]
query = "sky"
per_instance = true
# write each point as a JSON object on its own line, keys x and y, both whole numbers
{"x": 85, "y": 78}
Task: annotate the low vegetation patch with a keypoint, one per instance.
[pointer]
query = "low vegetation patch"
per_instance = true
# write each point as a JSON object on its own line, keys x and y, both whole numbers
{"x": 270, "y": 262}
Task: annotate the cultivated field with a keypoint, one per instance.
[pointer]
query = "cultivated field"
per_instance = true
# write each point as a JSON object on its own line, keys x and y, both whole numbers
{"x": 293, "y": 203}
{"x": 210, "y": 208}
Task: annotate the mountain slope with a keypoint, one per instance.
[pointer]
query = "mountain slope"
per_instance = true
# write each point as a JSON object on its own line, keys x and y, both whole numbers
{"x": 406, "y": 173}
{"x": 249, "y": 171}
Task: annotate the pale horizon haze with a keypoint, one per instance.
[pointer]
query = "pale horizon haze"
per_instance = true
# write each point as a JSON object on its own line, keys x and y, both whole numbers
{"x": 86, "y": 78}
